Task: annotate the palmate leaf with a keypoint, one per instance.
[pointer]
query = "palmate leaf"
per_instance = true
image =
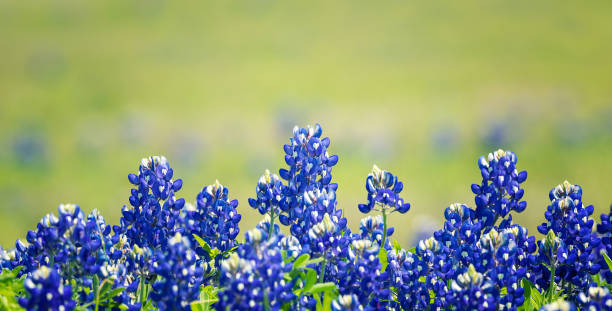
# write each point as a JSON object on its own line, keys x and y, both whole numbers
{"x": 208, "y": 296}
{"x": 533, "y": 299}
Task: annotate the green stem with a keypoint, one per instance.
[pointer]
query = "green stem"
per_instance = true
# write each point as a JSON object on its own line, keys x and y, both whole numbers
{"x": 266, "y": 301}
{"x": 271, "y": 222}
{"x": 322, "y": 278}
{"x": 141, "y": 291}
{"x": 384, "y": 239}
{"x": 323, "y": 266}
{"x": 551, "y": 287}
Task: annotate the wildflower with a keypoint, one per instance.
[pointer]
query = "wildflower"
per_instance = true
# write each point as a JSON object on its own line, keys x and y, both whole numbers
{"x": 383, "y": 193}
{"x": 180, "y": 275}
{"x": 596, "y": 298}
{"x": 215, "y": 219}
{"x": 46, "y": 291}
{"x": 253, "y": 277}
{"x": 572, "y": 253}
{"x": 500, "y": 191}
{"x": 346, "y": 302}
{"x": 308, "y": 181}
{"x": 559, "y": 305}
{"x": 151, "y": 217}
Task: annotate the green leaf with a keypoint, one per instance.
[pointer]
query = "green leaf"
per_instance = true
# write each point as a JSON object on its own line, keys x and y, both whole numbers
{"x": 113, "y": 293}
{"x": 313, "y": 261}
{"x": 300, "y": 261}
{"x": 328, "y": 297}
{"x": 382, "y": 257}
{"x": 202, "y": 243}
{"x": 106, "y": 286}
{"x": 311, "y": 279}
{"x": 533, "y": 298}
{"x": 537, "y": 298}
{"x": 229, "y": 251}
{"x": 396, "y": 245}
{"x": 208, "y": 296}
{"x": 607, "y": 259}
{"x": 412, "y": 249}
{"x": 322, "y": 287}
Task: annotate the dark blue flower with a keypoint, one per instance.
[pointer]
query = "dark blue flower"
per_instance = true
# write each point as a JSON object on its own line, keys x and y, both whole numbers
{"x": 151, "y": 217}
{"x": 179, "y": 275}
{"x": 500, "y": 191}
{"x": 308, "y": 177}
{"x": 604, "y": 230}
{"x": 596, "y": 298}
{"x": 574, "y": 253}
{"x": 214, "y": 218}
{"x": 383, "y": 193}
{"x": 46, "y": 291}
{"x": 253, "y": 277}
{"x": 346, "y": 302}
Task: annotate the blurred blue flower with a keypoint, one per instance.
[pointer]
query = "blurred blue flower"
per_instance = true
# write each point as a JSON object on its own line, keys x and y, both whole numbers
{"x": 46, "y": 291}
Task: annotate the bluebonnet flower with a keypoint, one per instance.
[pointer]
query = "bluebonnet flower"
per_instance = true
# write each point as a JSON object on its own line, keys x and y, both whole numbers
{"x": 346, "y": 302}
{"x": 499, "y": 259}
{"x": 151, "y": 217}
{"x": 596, "y": 298}
{"x": 500, "y": 191}
{"x": 405, "y": 270}
{"x": 559, "y": 305}
{"x": 308, "y": 175}
{"x": 471, "y": 290}
{"x": 9, "y": 259}
{"x": 383, "y": 193}
{"x": 372, "y": 228}
{"x": 360, "y": 275}
{"x": 326, "y": 238}
{"x": 291, "y": 245}
{"x": 214, "y": 219}
{"x": 571, "y": 226}
{"x": 604, "y": 230}
{"x": 269, "y": 195}
{"x": 180, "y": 275}
{"x": 45, "y": 291}
{"x": 253, "y": 277}
{"x": 50, "y": 237}
{"x": 319, "y": 203}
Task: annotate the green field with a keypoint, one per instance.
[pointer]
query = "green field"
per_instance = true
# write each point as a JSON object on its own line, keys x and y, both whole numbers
{"x": 420, "y": 88}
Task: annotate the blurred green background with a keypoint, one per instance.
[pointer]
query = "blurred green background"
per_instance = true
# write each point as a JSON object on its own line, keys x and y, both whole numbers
{"x": 88, "y": 88}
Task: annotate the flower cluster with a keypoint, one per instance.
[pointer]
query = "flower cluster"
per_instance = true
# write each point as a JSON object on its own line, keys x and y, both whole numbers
{"x": 383, "y": 192}
{"x": 500, "y": 191}
{"x": 214, "y": 218}
{"x": 253, "y": 278}
{"x": 270, "y": 196}
{"x": 179, "y": 275}
{"x": 604, "y": 229}
{"x": 46, "y": 292}
{"x": 169, "y": 254}
{"x": 309, "y": 193}
{"x": 572, "y": 241}
{"x": 151, "y": 217}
